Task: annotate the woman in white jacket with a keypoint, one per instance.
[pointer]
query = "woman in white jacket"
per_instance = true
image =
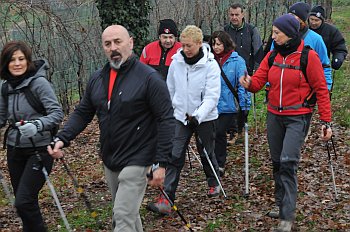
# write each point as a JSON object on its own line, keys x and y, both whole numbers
{"x": 194, "y": 84}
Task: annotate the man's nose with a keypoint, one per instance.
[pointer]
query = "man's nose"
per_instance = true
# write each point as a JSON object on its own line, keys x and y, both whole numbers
{"x": 113, "y": 47}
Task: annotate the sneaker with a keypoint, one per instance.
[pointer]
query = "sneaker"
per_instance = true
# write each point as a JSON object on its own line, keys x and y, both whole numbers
{"x": 221, "y": 172}
{"x": 162, "y": 206}
{"x": 274, "y": 212}
{"x": 214, "y": 191}
{"x": 284, "y": 226}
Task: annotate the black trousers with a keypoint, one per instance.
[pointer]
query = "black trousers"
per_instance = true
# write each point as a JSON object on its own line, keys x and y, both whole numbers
{"x": 27, "y": 179}
{"x": 183, "y": 134}
{"x": 223, "y": 123}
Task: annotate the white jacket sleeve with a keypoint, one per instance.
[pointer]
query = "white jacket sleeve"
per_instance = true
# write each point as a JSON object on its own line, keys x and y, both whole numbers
{"x": 211, "y": 93}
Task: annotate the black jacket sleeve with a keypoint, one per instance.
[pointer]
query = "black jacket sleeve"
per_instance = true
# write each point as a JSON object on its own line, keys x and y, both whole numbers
{"x": 159, "y": 101}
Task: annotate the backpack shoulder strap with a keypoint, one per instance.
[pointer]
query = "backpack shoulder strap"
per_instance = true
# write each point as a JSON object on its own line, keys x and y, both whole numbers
{"x": 304, "y": 59}
{"x": 5, "y": 91}
{"x": 33, "y": 101}
{"x": 272, "y": 57}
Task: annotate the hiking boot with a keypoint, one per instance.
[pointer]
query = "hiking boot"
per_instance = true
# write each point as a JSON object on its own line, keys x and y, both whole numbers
{"x": 274, "y": 212}
{"x": 162, "y": 206}
{"x": 239, "y": 139}
{"x": 221, "y": 172}
{"x": 214, "y": 191}
{"x": 232, "y": 140}
{"x": 284, "y": 226}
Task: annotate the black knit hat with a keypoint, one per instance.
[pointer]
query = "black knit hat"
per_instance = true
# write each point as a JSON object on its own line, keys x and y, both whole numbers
{"x": 319, "y": 12}
{"x": 300, "y": 9}
{"x": 288, "y": 24}
{"x": 167, "y": 26}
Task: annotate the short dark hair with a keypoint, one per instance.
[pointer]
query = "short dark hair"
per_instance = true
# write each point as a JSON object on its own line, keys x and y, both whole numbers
{"x": 7, "y": 53}
{"x": 224, "y": 38}
{"x": 237, "y": 5}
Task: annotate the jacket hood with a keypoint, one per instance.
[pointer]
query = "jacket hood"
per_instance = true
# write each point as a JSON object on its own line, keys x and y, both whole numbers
{"x": 41, "y": 66}
{"x": 207, "y": 55}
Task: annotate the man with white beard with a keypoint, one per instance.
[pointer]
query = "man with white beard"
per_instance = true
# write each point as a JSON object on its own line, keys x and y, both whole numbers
{"x": 136, "y": 122}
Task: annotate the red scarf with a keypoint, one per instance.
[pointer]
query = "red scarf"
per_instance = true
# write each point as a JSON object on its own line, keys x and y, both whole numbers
{"x": 222, "y": 57}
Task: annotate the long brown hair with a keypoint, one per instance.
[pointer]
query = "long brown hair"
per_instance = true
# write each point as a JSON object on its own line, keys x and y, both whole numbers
{"x": 6, "y": 56}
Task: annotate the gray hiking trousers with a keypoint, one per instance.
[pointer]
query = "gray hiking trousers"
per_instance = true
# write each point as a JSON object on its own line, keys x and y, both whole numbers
{"x": 128, "y": 189}
{"x": 286, "y": 136}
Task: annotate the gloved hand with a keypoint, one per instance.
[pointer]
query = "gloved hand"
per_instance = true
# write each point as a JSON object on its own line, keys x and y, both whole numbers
{"x": 244, "y": 114}
{"x": 336, "y": 63}
{"x": 192, "y": 122}
{"x": 29, "y": 128}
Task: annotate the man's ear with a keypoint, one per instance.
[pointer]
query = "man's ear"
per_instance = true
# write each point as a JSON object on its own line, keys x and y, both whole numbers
{"x": 131, "y": 43}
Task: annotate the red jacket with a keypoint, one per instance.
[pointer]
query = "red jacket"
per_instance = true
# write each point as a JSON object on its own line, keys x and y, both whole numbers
{"x": 289, "y": 88}
{"x": 152, "y": 54}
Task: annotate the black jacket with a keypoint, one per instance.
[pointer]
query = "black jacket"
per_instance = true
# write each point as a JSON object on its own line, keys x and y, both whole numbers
{"x": 334, "y": 41}
{"x": 138, "y": 126}
{"x": 248, "y": 44}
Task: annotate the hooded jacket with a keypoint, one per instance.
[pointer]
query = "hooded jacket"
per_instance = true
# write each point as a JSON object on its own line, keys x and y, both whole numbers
{"x": 194, "y": 89}
{"x": 233, "y": 68}
{"x": 20, "y": 109}
{"x": 136, "y": 127}
{"x": 288, "y": 87}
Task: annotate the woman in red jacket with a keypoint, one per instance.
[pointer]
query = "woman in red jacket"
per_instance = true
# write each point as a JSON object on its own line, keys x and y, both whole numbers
{"x": 288, "y": 117}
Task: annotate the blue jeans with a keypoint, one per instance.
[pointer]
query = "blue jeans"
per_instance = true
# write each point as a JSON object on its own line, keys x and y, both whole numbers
{"x": 27, "y": 182}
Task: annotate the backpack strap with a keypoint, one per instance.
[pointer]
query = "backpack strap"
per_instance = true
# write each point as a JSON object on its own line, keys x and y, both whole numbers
{"x": 304, "y": 59}
{"x": 33, "y": 101}
{"x": 272, "y": 57}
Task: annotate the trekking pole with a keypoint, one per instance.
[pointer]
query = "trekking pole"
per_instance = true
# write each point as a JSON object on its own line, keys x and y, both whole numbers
{"x": 189, "y": 158}
{"x": 6, "y": 189}
{"x": 246, "y": 152}
{"x": 194, "y": 153}
{"x": 331, "y": 91}
{"x": 188, "y": 225}
{"x": 332, "y": 171}
{"x": 211, "y": 166}
{"x": 46, "y": 175}
{"x": 254, "y": 114}
{"x": 80, "y": 190}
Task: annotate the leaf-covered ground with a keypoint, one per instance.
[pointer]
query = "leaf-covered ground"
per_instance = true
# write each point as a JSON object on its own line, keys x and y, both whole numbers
{"x": 316, "y": 207}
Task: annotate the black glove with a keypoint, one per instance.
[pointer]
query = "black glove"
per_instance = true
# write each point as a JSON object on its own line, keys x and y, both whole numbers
{"x": 244, "y": 114}
{"x": 192, "y": 122}
{"x": 337, "y": 63}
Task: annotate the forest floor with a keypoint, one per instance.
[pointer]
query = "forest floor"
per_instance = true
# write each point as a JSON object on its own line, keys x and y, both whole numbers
{"x": 317, "y": 209}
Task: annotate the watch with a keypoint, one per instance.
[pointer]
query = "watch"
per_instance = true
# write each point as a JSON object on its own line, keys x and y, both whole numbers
{"x": 155, "y": 167}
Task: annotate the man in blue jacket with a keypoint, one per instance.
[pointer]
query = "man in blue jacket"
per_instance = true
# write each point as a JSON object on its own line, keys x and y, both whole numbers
{"x": 136, "y": 121}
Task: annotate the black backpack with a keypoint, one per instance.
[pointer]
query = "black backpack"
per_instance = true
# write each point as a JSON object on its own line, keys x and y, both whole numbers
{"x": 33, "y": 101}
{"x": 310, "y": 100}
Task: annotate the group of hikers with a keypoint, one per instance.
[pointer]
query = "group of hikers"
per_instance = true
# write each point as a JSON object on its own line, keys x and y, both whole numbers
{"x": 149, "y": 107}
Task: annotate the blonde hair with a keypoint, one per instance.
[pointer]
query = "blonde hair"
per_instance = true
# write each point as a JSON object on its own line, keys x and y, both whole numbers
{"x": 193, "y": 32}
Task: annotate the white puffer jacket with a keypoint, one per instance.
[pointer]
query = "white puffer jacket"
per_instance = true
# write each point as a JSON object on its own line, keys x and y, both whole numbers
{"x": 194, "y": 89}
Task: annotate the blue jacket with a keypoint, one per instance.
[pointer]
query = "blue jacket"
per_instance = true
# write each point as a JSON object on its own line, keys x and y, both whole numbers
{"x": 315, "y": 41}
{"x": 234, "y": 68}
